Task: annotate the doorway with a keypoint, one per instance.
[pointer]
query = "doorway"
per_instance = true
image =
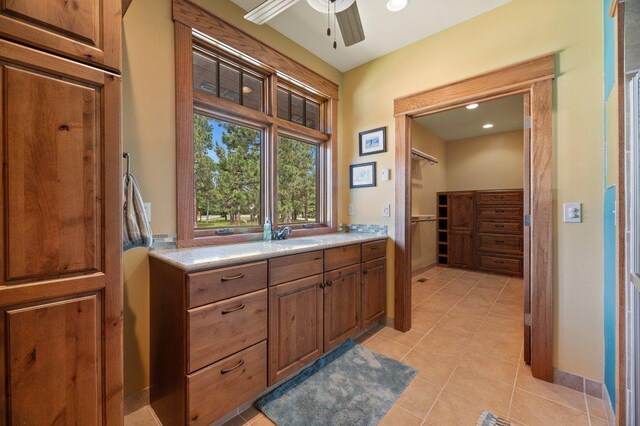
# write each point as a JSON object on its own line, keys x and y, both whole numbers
{"x": 532, "y": 81}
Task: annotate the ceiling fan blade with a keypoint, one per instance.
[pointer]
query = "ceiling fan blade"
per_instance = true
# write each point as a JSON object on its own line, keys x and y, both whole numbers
{"x": 268, "y": 10}
{"x": 350, "y": 25}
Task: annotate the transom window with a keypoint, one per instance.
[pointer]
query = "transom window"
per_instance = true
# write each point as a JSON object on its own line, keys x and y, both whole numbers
{"x": 250, "y": 149}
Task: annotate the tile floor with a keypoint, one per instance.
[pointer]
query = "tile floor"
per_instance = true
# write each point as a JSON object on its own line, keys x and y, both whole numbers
{"x": 466, "y": 343}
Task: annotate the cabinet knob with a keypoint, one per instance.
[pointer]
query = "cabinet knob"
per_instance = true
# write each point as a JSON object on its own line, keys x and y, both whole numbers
{"x": 365, "y": 272}
{"x": 329, "y": 283}
{"x": 322, "y": 285}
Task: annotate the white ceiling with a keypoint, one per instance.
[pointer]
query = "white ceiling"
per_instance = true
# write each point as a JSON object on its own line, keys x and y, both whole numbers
{"x": 384, "y": 31}
{"x": 506, "y": 114}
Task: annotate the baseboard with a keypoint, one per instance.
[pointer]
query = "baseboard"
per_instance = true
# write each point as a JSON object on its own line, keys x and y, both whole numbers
{"x": 611, "y": 417}
{"x": 578, "y": 383}
{"x": 135, "y": 401}
{"x": 423, "y": 269}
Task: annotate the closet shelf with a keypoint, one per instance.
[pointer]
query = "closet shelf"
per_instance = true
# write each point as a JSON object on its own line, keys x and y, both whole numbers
{"x": 422, "y": 156}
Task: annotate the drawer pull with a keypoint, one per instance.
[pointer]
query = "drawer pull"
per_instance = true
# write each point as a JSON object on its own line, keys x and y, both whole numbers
{"x": 233, "y": 277}
{"x": 499, "y": 261}
{"x": 499, "y": 226}
{"x": 499, "y": 241}
{"x": 235, "y": 367}
{"x": 375, "y": 248}
{"x": 237, "y": 308}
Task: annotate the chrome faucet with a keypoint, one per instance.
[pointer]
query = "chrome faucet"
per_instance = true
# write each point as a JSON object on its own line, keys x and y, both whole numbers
{"x": 281, "y": 233}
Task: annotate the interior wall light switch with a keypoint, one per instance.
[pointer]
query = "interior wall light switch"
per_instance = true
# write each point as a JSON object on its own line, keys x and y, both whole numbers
{"x": 573, "y": 212}
{"x": 352, "y": 209}
{"x": 384, "y": 175}
{"x": 386, "y": 210}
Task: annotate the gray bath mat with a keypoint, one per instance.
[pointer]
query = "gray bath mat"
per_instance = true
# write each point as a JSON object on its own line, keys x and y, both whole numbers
{"x": 350, "y": 386}
{"x": 490, "y": 419}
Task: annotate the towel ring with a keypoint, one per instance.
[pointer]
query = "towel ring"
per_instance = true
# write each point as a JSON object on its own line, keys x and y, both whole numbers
{"x": 126, "y": 156}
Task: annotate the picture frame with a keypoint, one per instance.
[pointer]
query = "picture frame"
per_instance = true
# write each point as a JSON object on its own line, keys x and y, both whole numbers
{"x": 362, "y": 175}
{"x": 372, "y": 141}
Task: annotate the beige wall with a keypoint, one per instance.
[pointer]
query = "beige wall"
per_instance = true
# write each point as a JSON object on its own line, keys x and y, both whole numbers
{"x": 149, "y": 135}
{"x": 486, "y": 162}
{"x": 426, "y": 181}
{"x": 520, "y": 30}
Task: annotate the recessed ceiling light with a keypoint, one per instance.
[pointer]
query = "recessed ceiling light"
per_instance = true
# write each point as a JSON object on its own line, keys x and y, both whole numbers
{"x": 472, "y": 106}
{"x": 487, "y": 126}
{"x": 396, "y": 5}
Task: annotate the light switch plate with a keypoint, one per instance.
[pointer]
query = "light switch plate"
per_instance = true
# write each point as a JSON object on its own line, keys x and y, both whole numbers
{"x": 573, "y": 212}
{"x": 352, "y": 209}
{"x": 384, "y": 174}
{"x": 386, "y": 210}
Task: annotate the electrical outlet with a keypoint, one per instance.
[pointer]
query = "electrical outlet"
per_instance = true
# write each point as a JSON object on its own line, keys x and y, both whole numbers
{"x": 352, "y": 209}
{"x": 573, "y": 213}
{"x": 386, "y": 210}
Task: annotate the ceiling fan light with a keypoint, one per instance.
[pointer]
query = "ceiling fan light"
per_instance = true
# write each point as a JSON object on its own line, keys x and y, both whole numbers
{"x": 321, "y": 5}
{"x": 268, "y": 10}
{"x": 396, "y": 5}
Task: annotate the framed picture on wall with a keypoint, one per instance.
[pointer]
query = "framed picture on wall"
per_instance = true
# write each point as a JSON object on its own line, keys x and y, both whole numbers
{"x": 362, "y": 175}
{"x": 373, "y": 141}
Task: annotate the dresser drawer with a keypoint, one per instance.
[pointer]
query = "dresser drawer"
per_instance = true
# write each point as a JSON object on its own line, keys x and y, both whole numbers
{"x": 374, "y": 250}
{"x": 291, "y": 268}
{"x": 341, "y": 256}
{"x": 218, "y": 284}
{"x": 499, "y": 212}
{"x": 224, "y": 328}
{"x": 499, "y": 197}
{"x": 499, "y": 243}
{"x": 503, "y": 265}
{"x": 489, "y": 227}
{"x": 225, "y": 385}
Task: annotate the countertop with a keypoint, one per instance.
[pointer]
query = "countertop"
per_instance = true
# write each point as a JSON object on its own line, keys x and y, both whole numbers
{"x": 200, "y": 258}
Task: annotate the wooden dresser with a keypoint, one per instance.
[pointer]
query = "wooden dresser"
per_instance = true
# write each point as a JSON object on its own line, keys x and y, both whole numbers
{"x": 61, "y": 216}
{"x": 481, "y": 230}
{"x": 221, "y": 337}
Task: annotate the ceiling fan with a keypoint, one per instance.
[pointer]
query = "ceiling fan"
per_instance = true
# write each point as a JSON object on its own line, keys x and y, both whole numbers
{"x": 345, "y": 12}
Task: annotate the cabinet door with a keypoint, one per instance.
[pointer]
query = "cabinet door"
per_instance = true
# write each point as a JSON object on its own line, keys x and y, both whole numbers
{"x": 86, "y": 30}
{"x": 341, "y": 305}
{"x": 461, "y": 211}
{"x": 461, "y": 249}
{"x": 374, "y": 291}
{"x": 53, "y": 363}
{"x": 295, "y": 326}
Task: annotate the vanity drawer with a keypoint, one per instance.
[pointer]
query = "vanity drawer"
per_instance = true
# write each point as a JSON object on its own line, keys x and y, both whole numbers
{"x": 503, "y": 265}
{"x": 499, "y": 212}
{"x": 225, "y": 385}
{"x": 224, "y": 328}
{"x": 488, "y": 227}
{"x": 374, "y": 250}
{"x": 499, "y": 243}
{"x": 341, "y": 256}
{"x": 291, "y": 268}
{"x": 499, "y": 197}
{"x": 218, "y": 284}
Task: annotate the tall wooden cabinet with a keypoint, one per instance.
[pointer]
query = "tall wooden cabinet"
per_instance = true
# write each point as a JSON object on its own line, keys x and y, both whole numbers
{"x": 61, "y": 216}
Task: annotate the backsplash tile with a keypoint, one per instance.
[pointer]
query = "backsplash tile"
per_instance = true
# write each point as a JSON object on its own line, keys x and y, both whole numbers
{"x": 164, "y": 241}
{"x": 363, "y": 228}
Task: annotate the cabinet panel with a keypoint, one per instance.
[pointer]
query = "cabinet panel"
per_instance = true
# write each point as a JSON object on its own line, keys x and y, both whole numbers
{"x": 54, "y": 362}
{"x": 87, "y": 30}
{"x": 212, "y": 286}
{"x": 461, "y": 211}
{"x": 499, "y": 227}
{"x": 221, "y": 329}
{"x": 374, "y": 250}
{"x": 290, "y": 268}
{"x": 500, "y": 212}
{"x": 295, "y": 326}
{"x": 341, "y": 256}
{"x": 500, "y": 243}
{"x": 342, "y": 305}
{"x": 374, "y": 291}
{"x": 461, "y": 249}
{"x": 499, "y": 197}
{"x": 53, "y": 202}
{"x": 502, "y": 265}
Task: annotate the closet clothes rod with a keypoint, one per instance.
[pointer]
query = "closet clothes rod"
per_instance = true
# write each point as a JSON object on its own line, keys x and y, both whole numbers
{"x": 419, "y": 155}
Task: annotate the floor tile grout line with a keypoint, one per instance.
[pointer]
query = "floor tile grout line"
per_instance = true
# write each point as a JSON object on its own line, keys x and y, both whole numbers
{"x": 395, "y": 404}
{"x": 554, "y": 401}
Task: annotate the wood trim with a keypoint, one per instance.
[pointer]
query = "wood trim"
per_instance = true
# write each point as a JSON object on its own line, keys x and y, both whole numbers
{"x": 227, "y": 108}
{"x": 541, "y": 231}
{"x": 332, "y": 167}
{"x": 621, "y": 391}
{"x": 402, "y": 298}
{"x": 535, "y": 77}
{"x": 493, "y": 83}
{"x": 195, "y": 17}
{"x": 300, "y": 131}
{"x": 125, "y": 6}
{"x": 50, "y": 289}
{"x": 526, "y": 267}
{"x": 184, "y": 134}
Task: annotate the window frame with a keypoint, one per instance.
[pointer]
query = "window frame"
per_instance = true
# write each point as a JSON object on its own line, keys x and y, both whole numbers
{"x": 190, "y": 101}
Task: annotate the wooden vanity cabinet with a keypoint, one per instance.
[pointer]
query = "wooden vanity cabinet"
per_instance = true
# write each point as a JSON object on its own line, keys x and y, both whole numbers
{"x": 342, "y": 305}
{"x": 374, "y": 291}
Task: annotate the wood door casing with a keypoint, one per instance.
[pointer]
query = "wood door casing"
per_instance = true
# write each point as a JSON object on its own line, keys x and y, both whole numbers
{"x": 86, "y": 30}
{"x": 295, "y": 326}
{"x": 53, "y": 203}
{"x": 461, "y": 249}
{"x": 461, "y": 211}
{"x": 374, "y": 291}
{"x": 342, "y": 305}
{"x": 54, "y": 362}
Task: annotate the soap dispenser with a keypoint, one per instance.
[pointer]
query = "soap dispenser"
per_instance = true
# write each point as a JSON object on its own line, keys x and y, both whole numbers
{"x": 266, "y": 230}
